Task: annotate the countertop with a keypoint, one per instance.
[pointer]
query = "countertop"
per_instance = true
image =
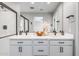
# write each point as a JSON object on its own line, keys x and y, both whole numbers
{"x": 50, "y": 36}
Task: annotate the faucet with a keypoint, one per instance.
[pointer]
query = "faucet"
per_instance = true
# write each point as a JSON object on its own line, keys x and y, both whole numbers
{"x": 26, "y": 32}
{"x": 20, "y": 32}
{"x": 54, "y": 32}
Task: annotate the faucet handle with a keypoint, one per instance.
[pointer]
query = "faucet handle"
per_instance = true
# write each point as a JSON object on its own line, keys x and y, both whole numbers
{"x": 62, "y": 32}
{"x": 26, "y": 32}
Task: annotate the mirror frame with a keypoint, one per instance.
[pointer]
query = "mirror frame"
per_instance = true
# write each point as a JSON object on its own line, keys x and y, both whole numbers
{"x": 24, "y": 23}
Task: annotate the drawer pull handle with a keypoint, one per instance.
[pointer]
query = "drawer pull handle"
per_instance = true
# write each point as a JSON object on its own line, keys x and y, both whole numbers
{"x": 41, "y": 50}
{"x": 61, "y": 42}
{"x": 40, "y": 42}
{"x": 20, "y": 49}
{"x": 61, "y": 49}
{"x": 19, "y": 42}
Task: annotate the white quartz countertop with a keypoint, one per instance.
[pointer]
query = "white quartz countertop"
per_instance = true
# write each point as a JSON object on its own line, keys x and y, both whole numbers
{"x": 50, "y": 36}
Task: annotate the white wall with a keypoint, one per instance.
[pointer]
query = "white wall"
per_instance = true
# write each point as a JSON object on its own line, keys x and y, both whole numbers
{"x": 30, "y": 16}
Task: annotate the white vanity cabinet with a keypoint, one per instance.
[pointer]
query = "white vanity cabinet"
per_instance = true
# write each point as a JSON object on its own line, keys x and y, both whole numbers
{"x": 14, "y": 51}
{"x": 61, "y": 47}
{"x": 20, "y": 47}
{"x": 40, "y": 47}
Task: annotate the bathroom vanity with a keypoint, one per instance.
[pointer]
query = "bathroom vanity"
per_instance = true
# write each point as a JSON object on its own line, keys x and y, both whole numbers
{"x": 22, "y": 45}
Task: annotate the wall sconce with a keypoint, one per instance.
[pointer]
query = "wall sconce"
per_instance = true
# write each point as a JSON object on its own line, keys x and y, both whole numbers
{"x": 71, "y": 18}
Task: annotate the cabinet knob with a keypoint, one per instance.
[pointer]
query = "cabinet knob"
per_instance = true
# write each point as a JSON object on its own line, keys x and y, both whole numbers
{"x": 20, "y": 49}
{"x": 40, "y": 42}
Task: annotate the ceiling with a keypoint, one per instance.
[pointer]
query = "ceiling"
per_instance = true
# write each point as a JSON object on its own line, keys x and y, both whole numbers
{"x": 37, "y": 7}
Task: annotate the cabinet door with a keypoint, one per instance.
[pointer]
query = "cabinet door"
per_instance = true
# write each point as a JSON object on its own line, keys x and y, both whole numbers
{"x": 61, "y": 50}
{"x": 4, "y": 47}
{"x": 26, "y": 51}
{"x": 15, "y": 50}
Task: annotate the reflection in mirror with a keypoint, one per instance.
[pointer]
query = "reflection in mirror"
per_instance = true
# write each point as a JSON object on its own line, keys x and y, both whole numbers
{"x": 8, "y": 21}
{"x": 38, "y": 24}
{"x": 58, "y": 19}
{"x": 24, "y": 25}
{"x": 45, "y": 23}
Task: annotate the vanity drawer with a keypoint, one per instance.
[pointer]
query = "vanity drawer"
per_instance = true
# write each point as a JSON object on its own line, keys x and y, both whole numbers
{"x": 40, "y": 42}
{"x": 40, "y": 51}
{"x": 61, "y": 42}
{"x": 20, "y": 42}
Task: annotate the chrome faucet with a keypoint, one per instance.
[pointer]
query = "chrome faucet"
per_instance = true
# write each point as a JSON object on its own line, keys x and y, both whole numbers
{"x": 20, "y": 32}
{"x": 54, "y": 32}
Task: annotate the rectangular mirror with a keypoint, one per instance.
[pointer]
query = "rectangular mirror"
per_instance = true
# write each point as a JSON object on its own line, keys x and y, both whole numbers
{"x": 8, "y": 21}
{"x": 24, "y": 24}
